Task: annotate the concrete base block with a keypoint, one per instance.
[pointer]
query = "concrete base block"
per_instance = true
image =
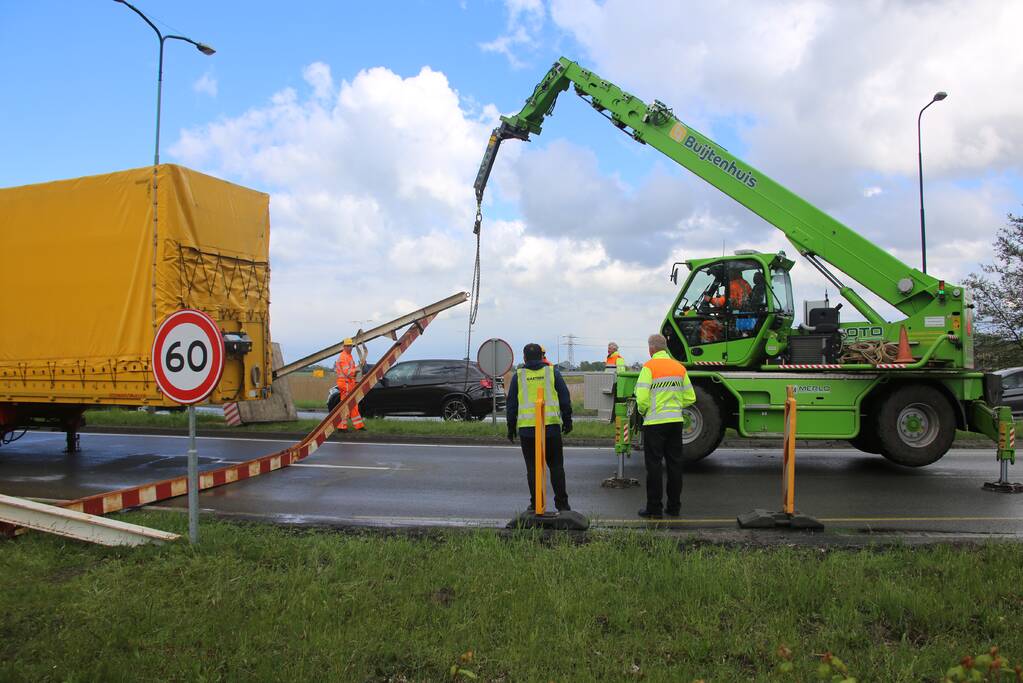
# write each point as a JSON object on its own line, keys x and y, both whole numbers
{"x": 561, "y": 521}
{"x": 1003, "y": 487}
{"x": 280, "y": 407}
{"x": 616, "y": 482}
{"x": 763, "y": 519}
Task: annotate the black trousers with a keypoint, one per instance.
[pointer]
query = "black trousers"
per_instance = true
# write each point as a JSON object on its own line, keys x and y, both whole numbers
{"x": 555, "y": 463}
{"x": 663, "y": 442}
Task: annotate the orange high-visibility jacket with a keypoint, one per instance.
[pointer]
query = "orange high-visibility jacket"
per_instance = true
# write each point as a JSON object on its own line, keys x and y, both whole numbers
{"x": 739, "y": 292}
{"x": 346, "y": 369}
{"x": 614, "y": 362}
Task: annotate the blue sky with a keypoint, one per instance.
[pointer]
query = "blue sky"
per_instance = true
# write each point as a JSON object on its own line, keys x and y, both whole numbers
{"x": 365, "y": 122}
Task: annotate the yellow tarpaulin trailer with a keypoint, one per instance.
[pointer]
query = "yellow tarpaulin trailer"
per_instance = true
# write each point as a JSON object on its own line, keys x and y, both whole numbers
{"x": 88, "y": 273}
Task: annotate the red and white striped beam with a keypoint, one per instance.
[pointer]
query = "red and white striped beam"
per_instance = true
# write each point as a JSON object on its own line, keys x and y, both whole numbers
{"x": 144, "y": 494}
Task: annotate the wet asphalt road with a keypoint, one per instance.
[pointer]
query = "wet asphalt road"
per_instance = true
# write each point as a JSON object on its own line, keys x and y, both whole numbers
{"x": 438, "y": 485}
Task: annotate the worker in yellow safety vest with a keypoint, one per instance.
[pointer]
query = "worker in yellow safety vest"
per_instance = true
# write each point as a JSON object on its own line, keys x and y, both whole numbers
{"x": 663, "y": 389}
{"x": 614, "y": 361}
{"x": 520, "y": 410}
{"x": 347, "y": 377}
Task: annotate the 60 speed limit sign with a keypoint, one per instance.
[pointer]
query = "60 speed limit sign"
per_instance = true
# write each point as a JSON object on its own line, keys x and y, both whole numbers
{"x": 188, "y": 356}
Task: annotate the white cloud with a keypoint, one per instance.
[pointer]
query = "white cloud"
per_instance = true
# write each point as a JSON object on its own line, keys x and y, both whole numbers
{"x": 318, "y": 76}
{"x": 525, "y": 19}
{"x": 206, "y": 84}
{"x": 826, "y": 85}
{"x": 371, "y": 216}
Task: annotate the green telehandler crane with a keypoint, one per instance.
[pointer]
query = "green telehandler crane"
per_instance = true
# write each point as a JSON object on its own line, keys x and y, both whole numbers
{"x": 896, "y": 388}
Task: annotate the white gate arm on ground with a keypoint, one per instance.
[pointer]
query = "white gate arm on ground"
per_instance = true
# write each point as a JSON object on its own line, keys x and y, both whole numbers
{"x": 79, "y": 525}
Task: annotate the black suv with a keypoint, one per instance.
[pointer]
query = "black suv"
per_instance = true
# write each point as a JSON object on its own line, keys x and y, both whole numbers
{"x": 452, "y": 389}
{"x": 1012, "y": 389}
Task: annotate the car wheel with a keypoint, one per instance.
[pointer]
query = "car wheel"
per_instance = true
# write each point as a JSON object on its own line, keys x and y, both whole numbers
{"x": 455, "y": 409}
{"x": 704, "y": 428}
{"x": 332, "y": 402}
{"x": 916, "y": 426}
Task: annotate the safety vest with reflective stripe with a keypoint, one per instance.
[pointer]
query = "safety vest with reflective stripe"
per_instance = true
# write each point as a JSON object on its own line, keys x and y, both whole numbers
{"x": 663, "y": 390}
{"x": 614, "y": 363}
{"x": 529, "y": 382}
{"x": 346, "y": 370}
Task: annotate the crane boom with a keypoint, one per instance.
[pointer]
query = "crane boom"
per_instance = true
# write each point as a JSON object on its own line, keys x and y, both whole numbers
{"x": 815, "y": 234}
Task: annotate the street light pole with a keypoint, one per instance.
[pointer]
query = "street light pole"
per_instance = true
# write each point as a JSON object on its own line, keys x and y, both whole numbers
{"x": 938, "y": 97}
{"x": 202, "y": 47}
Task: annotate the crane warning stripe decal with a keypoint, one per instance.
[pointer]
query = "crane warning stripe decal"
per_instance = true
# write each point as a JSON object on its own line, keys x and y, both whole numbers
{"x": 171, "y": 488}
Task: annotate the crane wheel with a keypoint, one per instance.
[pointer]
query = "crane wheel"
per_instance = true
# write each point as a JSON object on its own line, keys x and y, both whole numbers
{"x": 915, "y": 425}
{"x": 704, "y": 427}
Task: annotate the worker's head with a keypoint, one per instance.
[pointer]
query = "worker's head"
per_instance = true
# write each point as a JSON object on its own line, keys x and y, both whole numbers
{"x": 532, "y": 353}
{"x": 611, "y": 348}
{"x": 347, "y": 343}
{"x": 543, "y": 351}
{"x": 656, "y": 342}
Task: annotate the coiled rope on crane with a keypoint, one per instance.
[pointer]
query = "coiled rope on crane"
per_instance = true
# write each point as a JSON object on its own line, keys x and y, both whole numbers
{"x": 873, "y": 352}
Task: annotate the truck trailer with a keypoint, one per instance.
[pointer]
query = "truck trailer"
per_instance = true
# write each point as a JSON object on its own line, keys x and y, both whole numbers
{"x": 93, "y": 265}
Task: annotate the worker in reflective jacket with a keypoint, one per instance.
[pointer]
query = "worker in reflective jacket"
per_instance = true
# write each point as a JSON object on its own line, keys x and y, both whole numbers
{"x": 662, "y": 391}
{"x": 520, "y": 409}
{"x": 614, "y": 361}
{"x": 347, "y": 377}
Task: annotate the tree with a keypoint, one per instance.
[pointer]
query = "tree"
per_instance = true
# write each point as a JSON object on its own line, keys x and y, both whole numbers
{"x": 998, "y": 297}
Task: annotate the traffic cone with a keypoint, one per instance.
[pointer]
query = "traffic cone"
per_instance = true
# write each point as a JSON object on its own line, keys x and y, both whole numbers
{"x": 905, "y": 355}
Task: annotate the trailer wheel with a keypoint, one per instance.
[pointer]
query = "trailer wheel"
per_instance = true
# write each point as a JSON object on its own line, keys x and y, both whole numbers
{"x": 704, "y": 427}
{"x": 916, "y": 426}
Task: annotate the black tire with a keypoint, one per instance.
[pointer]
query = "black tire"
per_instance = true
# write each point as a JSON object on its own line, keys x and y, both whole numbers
{"x": 916, "y": 426}
{"x": 333, "y": 401}
{"x": 705, "y": 428}
{"x": 869, "y": 439}
{"x": 455, "y": 409}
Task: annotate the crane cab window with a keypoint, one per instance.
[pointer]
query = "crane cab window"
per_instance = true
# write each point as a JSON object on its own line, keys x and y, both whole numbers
{"x": 726, "y": 300}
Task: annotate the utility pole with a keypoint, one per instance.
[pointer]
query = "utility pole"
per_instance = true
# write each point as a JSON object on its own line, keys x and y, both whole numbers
{"x": 570, "y": 340}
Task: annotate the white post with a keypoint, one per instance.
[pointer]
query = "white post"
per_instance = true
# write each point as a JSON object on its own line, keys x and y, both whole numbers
{"x": 493, "y": 389}
{"x": 193, "y": 480}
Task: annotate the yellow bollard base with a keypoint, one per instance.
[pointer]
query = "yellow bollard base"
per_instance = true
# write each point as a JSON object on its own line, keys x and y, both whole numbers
{"x": 763, "y": 519}
{"x": 570, "y": 520}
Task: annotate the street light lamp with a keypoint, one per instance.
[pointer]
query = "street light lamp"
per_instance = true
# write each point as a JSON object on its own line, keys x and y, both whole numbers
{"x": 201, "y": 47}
{"x": 938, "y": 97}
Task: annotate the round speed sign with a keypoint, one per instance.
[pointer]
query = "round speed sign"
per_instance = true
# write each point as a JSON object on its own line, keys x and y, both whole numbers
{"x": 188, "y": 356}
{"x": 495, "y": 357}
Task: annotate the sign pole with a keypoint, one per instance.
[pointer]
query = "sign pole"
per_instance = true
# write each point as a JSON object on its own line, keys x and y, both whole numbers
{"x": 493, "y": 392}
{"x": 188, "y": 362}
{"x": 193, "y": 480}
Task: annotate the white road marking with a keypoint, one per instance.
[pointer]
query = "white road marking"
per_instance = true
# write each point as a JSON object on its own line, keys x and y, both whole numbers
{"x": 341, "y": 467}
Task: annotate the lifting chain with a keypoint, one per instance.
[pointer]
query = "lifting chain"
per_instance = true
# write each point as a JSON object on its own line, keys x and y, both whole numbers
{"x": 474, "y": 291}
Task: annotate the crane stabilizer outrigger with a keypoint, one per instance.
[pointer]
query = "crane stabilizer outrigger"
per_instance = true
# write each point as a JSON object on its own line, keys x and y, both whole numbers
{"x": 744, "y": 352}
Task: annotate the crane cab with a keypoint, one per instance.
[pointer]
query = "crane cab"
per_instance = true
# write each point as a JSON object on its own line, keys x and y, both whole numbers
{"x": 732, "y": 310}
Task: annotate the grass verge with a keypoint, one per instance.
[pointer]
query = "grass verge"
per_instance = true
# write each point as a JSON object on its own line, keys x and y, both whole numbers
{"x": 255, "y": 602}
{"x": 179, "y": 420}
{"x": 428, "y": 428}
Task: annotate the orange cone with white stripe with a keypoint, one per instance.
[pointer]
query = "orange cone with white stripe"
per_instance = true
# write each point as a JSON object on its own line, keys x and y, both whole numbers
{"x": 905, "y": 355}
